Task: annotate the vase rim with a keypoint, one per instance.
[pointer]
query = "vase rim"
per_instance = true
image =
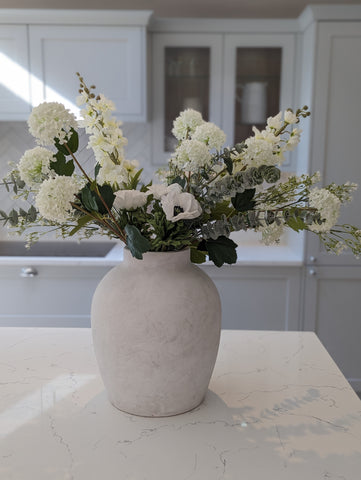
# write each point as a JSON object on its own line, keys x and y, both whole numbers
{"x": 179, "y": 256}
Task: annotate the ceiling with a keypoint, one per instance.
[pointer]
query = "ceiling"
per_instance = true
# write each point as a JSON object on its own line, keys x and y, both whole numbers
{"x": 186, "y": 8}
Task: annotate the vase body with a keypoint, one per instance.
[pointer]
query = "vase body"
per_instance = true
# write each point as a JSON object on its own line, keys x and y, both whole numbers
{"x": 156, "y": 328}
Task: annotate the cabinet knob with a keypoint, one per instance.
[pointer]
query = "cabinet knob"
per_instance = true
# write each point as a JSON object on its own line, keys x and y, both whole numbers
{"x": 312, "y": 272}
{"x": 28, "y": 272}
{"x": 312, "y": 259}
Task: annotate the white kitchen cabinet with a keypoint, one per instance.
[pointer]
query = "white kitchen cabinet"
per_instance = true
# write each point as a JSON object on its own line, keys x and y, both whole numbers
{"x": 235, "y": 80}
{"x": 113, "y": 58}
{"x": 44, "y": 295}
{"x": 187, "y": 73}
{"x": 14, "y": 76}
{"x": 332, "y": 309}
{"x": 335, "y": 141}
{"x": 259, "y": 297}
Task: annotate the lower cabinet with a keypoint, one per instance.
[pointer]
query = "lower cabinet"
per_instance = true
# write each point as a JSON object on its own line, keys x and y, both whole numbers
{"x": 259, "y": 298}
{"x": 47, "y": 296}
{"x": 332, "y": 309}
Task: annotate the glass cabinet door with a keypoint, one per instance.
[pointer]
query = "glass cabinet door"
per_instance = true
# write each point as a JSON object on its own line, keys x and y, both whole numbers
{"x": 187, "y": 81}
{"x": 257, "y": 89}
{"x": 187, "y": 73}
{"x": 259, "y": 81}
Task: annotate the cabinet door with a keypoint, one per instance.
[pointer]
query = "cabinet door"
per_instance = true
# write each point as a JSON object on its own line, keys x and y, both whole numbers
{"x": 258, "y": 81}
{"x": 112, "y": 58}
{"x": 258, "y": 298}
{"x": 332, "y": 309}
{"x": 14, "y": 77}
{"x": 335, "y": 142}
{"x": 187, "y": 72}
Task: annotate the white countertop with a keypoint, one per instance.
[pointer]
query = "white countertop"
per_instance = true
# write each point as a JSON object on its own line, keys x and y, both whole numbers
{"x": 278, "y": 408}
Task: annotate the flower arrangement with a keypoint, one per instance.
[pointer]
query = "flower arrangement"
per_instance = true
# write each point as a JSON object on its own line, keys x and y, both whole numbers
{"x": 206, "y": 192}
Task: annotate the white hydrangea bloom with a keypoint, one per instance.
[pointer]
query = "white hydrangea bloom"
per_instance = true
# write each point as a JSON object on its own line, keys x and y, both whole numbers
{"x": 290, "y": 117}
{"x": 51, "y": 120}
{"x": 129, "y": 199}
{"x": 186, "y": 123}
{"x": 34, "y": 165}
{"x": 262, "y": 149}
{"x": 191, "y": 155}
{"x": 328, "y": 206}
{"x": 210, "y": 134}
{"x": 54, "y": 198}
{"x": 186, "y": 202}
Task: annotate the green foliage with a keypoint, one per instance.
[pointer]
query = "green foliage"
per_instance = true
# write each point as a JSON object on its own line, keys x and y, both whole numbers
{"x": 72, "y": 143}
{"x": 136, "y": 243}
{"x": 244, "y": 201}
{"x": 61, "y": 166}
{"x": 82, "y": 221}
{"x": 220, "y": 251}
{"x": 197, "y": 256}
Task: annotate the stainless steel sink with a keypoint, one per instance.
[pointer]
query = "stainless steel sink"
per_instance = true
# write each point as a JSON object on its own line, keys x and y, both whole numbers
{"x": 55, "y": 249}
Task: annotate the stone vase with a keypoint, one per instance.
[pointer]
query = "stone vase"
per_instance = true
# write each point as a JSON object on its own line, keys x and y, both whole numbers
{"x": 156, "y": 328}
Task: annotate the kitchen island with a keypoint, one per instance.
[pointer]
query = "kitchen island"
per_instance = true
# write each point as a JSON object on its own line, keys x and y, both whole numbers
{"x": 277, "y": 407}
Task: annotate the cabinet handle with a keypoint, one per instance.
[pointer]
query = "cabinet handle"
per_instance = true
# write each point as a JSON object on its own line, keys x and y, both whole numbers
{"x": 28, "y": 272}
{"x": 312, "y": 272}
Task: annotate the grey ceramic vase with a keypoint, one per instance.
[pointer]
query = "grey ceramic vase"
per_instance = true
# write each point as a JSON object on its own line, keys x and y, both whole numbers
{"x": 156, "y": 328}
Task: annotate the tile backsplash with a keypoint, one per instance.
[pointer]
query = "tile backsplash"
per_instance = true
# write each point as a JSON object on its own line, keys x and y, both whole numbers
{"x": 15, "y": 139}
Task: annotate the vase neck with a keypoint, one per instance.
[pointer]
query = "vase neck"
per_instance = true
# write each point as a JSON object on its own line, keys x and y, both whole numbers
{"x": 151, "y": 259}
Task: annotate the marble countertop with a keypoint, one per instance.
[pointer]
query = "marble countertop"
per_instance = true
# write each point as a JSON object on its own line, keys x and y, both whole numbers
{"x": 277, "y": 408}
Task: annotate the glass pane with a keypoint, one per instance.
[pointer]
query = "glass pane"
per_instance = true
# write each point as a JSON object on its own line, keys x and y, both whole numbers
{"x": 186, "y": 86}
{"x": 257, "y": 96}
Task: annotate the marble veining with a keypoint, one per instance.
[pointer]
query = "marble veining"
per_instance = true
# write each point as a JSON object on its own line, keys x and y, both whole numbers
{"x": 277, "y": 408}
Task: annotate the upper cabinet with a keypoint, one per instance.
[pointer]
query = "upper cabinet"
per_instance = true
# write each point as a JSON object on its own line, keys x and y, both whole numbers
{"x": 235, "y": 80}
{"x": 14, "y": 73}
{"x": 187, "y": 73}
{"x": 107, "y": 48}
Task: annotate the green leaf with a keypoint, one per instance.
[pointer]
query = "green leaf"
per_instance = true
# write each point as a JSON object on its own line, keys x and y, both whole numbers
{"x": 243, "y": 201}
{"x": 296, "y": 223}
{"x": 222, "y": 250}
{"x": 181, "y": 181}
{"x": 96, "y": 169}
{"x": 32, "y": 214}
{"x": 229, "y": 164}
{"x": 88, "y": 199}
{"x": 73, "y": 142}
{"x": 61, "y": 166}
{"x": 108, "y": 196}
{"x": 136, "y": 243}
{"x": 220, "y": 209}
{"x": 197, "y": 256}
{"x": 81, "y": 222}
{"x": 135, "y": 180}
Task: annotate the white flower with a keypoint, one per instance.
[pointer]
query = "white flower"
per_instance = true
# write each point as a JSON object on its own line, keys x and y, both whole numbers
{"x": 129, "y": 199}
{"x": 262, "y": 149}
{"x": 275, "y": 122}
{"x": 328, "y": 206}
{"x": 158, "y": 190}
{"x": 111, "y": 173}
{"x": 186, "y": 203}
{"x": 34, "y": 165}
{"x": 191, "y": 155}
{"x": 294, "y": 139}
{"x": 51, "y": 120}
{"x": 54, "y": 197}
{"x": 210, "y": 134}
{"x": 271, "y": 234}
{"x": 290, "y": 117}
{"x": 186, "y": 123}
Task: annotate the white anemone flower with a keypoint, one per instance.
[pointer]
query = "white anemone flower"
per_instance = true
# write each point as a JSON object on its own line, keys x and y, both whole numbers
{"x": 129, "y": 199}
{"x": 188, "y": 205}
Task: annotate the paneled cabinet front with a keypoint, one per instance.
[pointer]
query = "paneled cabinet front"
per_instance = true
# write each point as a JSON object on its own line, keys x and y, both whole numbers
{"x": 112, "y": 58}
{"x": 14, "y": 73}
